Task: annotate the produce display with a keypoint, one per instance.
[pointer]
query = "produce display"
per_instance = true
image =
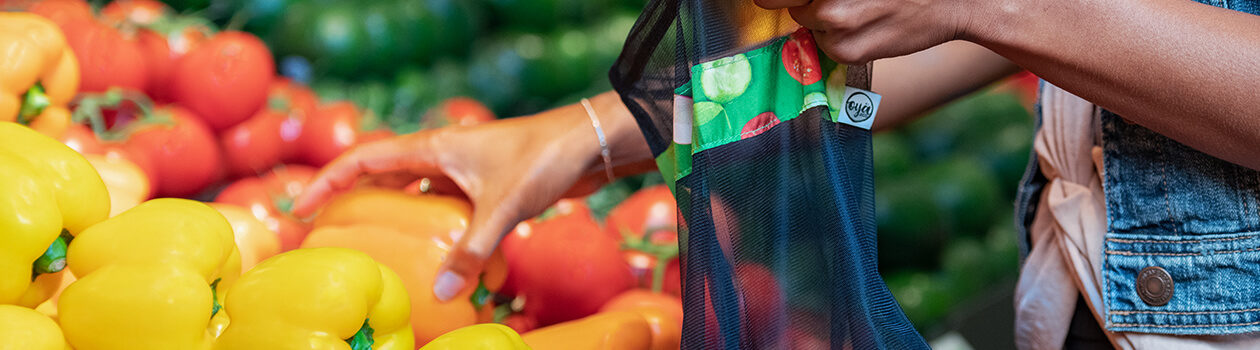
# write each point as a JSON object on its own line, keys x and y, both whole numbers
{"x": 152, "y": 151}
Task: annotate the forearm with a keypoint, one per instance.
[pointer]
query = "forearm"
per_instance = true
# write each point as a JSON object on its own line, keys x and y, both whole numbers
{"x": 913, "y": 84}
{"x": 628, "y": 151}
{"x": 1180, "y": 68}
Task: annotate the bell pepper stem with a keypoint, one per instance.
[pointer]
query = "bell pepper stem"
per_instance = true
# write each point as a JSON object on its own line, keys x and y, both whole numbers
{"x": 362, "y": 340}
{"x": 481, "y": 296}
{"x": 214, "y": 297}
{"x": 33, "y": 104}
{"x": 54, "y": 258}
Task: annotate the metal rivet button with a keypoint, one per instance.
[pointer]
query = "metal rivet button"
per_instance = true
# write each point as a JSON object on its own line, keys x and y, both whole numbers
{"x": 1155, "y": 286}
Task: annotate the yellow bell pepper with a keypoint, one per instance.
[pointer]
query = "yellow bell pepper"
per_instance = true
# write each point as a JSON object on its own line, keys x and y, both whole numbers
{"x": 485, "y": 336}
{"x": 318, "y": 298}
{"x": 147, "y": 278}
{"x": 81, "y": 194}
{"x": 49, "y": 193}
{"x": 39, "y": 74}
{"x": 612, "y": 330}
{"x": 26, "y": 329}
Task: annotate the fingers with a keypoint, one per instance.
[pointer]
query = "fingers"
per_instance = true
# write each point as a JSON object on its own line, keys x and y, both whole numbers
{"x": 842, "y": 47}
{"x": 393, "y": 154}
{"x": 463, "y": 266}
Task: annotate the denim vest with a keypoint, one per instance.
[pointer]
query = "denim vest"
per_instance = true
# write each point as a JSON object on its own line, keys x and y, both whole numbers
{"x": 1182, "y": 248}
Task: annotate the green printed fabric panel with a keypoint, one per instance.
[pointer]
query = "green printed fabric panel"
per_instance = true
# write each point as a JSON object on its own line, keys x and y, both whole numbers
{"x": 744, "y": 95}
{"x": 741, "y": 96}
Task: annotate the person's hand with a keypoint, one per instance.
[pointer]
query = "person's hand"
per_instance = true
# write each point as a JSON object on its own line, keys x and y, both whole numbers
{"x": 510, "y": 170}
{"x": 859, "y": 31}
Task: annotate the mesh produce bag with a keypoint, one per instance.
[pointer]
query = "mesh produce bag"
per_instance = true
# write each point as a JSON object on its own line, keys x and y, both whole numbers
{"x": 769, "y": 156}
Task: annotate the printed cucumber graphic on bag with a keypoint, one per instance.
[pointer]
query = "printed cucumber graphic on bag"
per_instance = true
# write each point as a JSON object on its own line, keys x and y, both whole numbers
{"x": 744, "y": 95}
{"x": 725, "y": 78}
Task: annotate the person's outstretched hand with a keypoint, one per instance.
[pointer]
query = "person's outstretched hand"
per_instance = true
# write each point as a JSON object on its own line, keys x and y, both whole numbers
{"x": 510, "y": 170}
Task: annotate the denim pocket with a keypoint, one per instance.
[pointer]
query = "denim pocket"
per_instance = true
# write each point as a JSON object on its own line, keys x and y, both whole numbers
{"x": 1193, "y": 220}
{"x": 1212, "y": 284}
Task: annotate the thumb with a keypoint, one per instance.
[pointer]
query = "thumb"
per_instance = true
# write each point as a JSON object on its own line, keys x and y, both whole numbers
{"x": 467, "y": 259}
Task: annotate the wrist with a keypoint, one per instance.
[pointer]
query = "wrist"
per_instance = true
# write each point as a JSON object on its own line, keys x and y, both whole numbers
{"x": 621, "y": 136}
{"x": 991, "y": 23}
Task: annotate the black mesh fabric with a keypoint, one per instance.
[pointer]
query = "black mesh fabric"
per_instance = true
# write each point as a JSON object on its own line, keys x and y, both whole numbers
{"x": 777, "y": 231}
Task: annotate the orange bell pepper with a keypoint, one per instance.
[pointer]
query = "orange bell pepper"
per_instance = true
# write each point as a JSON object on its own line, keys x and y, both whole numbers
{"x": 397, "y": 210}
{"x": 614, "y": 330}
{"x": 663, "y": 312}
{"x": 39, "y": 74}
{"x": 255, "y": 241}
{"x": 411, "y": 235}
{"x": 127, "y": 183}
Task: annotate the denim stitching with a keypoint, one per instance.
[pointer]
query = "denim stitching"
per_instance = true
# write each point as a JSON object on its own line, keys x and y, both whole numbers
{"x": 1128, "y": 253}
{"x": 1237, "y": 251}
{"x": 1181, "y": 312}
{"x": 1131, "y": 253}
{"x": 1121, "y": 240}
{"x": 1185, "y": 325}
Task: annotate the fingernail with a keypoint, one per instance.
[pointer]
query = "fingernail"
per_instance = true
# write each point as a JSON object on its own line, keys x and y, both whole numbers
{"x": 448, "y": 285}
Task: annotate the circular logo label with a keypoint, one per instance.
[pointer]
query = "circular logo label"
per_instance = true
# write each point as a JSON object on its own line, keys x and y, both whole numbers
{"x": 859, "y": 107}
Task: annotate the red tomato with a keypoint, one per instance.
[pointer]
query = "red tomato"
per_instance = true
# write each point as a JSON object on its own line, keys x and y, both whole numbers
{"x": 520, "y": 323}
{"x": 760, "y": 301}
{"x": 292, "y": 96}
{"x": 758, "y": 125}
{"x": 462, "y": 111}
{"x": 763, "y": 303}
{"x": 331, "y": 131}
{"x": 106, "y": 58}
{"x": 569, "y": 209}
{"x": 81, "y": 139}
{"x": 568, "y": 270}
{"x": 650, "y": 209}
{"x": 162, "y": 51}
{"x": 289, "y": 180}
{"x": 643, "y": 266}
{"x": 270, "y": 136}
{"x": 134, "y": 12}
{"x": 800, "y": 57}
{"x": 184, "y": 153}
{"x": 648, "y": 219}
{"x": 62, "y": 11}
{"x": 269, "y": 197}
{"x": 511, "y": 246}
{"x": 157, "y": 54}
{"x": 297, "y": 103}
{"x": 252, "y": 147}
{"x": 225, "y": 79}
